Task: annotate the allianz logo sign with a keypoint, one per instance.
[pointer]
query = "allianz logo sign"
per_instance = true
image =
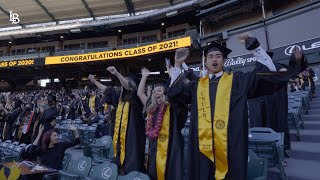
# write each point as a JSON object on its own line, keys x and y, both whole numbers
{"x": 288, "y": 51}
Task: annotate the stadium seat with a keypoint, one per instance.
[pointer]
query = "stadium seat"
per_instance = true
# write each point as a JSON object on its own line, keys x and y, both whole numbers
{"x": 87, "y": 134}
{"x": 298, "y": 107}
{"x": 293, "y": 121}
{"x": 266, "y": 143}
{"x": 9, "y": 149}
{"x": 4, "y": 145}
{"x": 66, "y": 161}
{"x": 257, "y": 167}
{"x": 134, "y": 175}
{"x": 101, "y": 149}
{"x": 106, "y": 170}
{"x": 76, "y": 169}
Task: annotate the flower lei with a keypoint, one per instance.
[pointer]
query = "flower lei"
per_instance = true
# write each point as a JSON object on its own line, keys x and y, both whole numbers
{"x": 152, "y": 131}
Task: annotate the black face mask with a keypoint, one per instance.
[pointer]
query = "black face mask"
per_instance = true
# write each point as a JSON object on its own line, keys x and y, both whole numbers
{"x": 28, "y": 108}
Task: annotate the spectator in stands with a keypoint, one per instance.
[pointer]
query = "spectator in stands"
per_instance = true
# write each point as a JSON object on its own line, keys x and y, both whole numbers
{"x": 3, "y": 114}
{"x": 51, "y": 151}
{"x": 311, "y": 76}
{"x": 164, "y": 124}
{"x": 49, "y": 113}
{"x": 23, "y": 131}
{"x": 11, "y": 119}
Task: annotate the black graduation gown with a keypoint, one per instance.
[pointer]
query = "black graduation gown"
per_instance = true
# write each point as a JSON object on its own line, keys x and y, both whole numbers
{"x": 48, "y": 115}
{"x": 312, "y": 75}
{"x": 244, "y": 86}
{"x": 256, "y": 109}
{"x": 275, "y": 113}
{"x": 10, "y": 120}
{"x": 135, "y": 138}
{"x": 111, "y": 97}
{"x": 174, "y": 163}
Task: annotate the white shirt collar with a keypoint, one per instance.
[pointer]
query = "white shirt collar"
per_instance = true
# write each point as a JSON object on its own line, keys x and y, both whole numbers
{"x": 217, "y": 74}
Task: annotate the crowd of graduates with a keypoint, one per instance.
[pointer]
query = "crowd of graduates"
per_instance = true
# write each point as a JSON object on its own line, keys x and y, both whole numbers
{"x": 216, "y": 101}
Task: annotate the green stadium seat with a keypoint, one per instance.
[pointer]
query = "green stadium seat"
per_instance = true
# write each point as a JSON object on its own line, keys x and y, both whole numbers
{"x": 268, "y": 144}
{"x": 106, "y": 170}
{"x": 134, "y": 175}
{"x": 76, "y": 169}
{"x": 101, "y": 149}
{"x": 293, "y": 121}
{"x": 257, "y": 167}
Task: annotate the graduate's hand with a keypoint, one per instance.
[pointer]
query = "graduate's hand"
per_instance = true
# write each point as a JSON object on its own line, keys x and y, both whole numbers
{"x": 181, "y": 56}
{"x": 242, "y": 37}
{"x": 41, "y": 128}
{"x": 145, "y": 72}
{"x": 91, "y": 77}
{"x": 112, "y": 70}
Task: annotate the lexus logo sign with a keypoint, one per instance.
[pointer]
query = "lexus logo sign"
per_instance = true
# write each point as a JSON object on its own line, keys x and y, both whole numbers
{"x": 288, "y": 51}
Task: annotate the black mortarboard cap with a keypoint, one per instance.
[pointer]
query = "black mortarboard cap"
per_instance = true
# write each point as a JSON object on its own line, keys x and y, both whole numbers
{"x": 214, "y": 46}
{"x": 51, "y": 98}
{"x": 134, "y": 78}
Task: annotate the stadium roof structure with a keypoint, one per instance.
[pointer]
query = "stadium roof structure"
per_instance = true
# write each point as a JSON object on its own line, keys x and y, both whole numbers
{"x": 62, "y": 11}
{"x": 40, "y": 11}
{"x": 54, "y": 16}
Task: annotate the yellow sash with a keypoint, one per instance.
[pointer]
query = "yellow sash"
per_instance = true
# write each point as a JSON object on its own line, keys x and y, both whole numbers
{"x": 162, "y": 145}
{"x": 220, "y": 122}
{"x": 92, "y": 103}
{"x": 122, "y": 117}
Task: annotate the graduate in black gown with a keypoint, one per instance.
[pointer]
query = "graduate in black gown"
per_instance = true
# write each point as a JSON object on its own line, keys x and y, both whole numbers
{"x": 218, "y": 143}
{"x": 49, "y": 114}
{"x": 165, "y": 121}
{"x": 129, "y": 134}
{"x": 275, "y": 110}
{"x": 11, "y": 118}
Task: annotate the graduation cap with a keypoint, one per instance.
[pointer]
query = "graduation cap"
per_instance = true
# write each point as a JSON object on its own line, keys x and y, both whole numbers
{"x": 18, "y": 102}
{"x": 133, "y": 78}
{"x": 213, "y": 46}
{"x": 51, "y": 98}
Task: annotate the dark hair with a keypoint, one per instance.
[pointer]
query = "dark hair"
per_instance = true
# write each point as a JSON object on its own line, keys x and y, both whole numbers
{"x": 46, "y": 139}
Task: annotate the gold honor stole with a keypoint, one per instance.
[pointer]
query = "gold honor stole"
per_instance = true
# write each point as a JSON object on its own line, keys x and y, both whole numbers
{"x": 162, "y": 145}
{"x": 220, "y": 122}
{"x": 92, "y": 103}
{"x": 122, "y": 117}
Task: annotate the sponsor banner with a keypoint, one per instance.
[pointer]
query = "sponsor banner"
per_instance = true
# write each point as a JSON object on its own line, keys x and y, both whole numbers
{"x": 21, "y": 63}
{"x": 308, "y": 47}
{"x": 123, "y": 53}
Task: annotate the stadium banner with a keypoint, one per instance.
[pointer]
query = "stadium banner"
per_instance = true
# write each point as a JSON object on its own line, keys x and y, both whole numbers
{"x": 22, "y": 63}
{"x": 123, "y": 53}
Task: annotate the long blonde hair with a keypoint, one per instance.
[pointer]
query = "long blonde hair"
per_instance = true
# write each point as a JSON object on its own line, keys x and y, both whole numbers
{"x": 152, "y": 102}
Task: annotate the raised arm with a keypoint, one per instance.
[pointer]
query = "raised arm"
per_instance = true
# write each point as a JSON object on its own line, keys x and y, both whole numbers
{"x": 98, "y": 84}
{"x": 124, "y": 82}
{"x": 143, "y": 97}
{"x": 179, "y": 90}
{"x": 36, "y": 141}
{"x": 252, "y": 44}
